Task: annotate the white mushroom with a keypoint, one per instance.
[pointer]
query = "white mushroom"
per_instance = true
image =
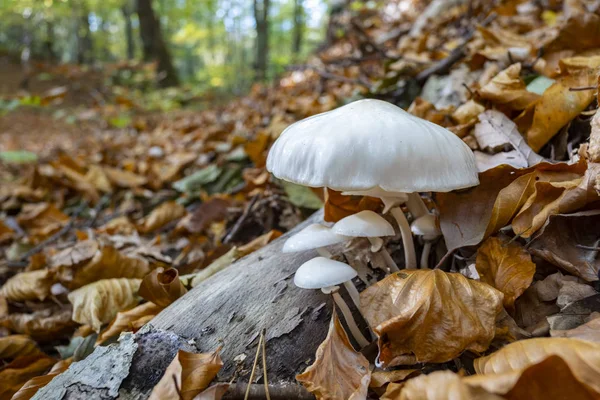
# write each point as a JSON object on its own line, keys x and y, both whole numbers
{"x": 426, "y": 227}
{"x": 370, "y": 225}
{"x": 370, "y": 147}
{"x": 325, "y": 274}
{"x": 314, "y": 236}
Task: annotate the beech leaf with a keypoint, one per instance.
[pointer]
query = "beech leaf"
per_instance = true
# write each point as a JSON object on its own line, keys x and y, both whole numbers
{"x": 339, "y": 372}
{"x": 162, "y": 287}
{"x": 30, "y": 388}
{"x": 162, "y": 215}
{"x": 14, "y": 375}
{"x": 13, "y": 346}
{"x": 28, "y": 285}
{"x": 129, "y": 320}
{"x": 430, "y": 315}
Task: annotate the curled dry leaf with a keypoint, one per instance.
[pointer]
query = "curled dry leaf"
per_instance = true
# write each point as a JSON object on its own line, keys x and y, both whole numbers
{"x": 582, "y": 357}
{"x": 557, "y": 242}
{"x": 505, "y": 265}
{"x": 509, "y": 89}
{"x": 430, "y": 316}
{"x": 30, "y": 388}
{"x": 99, "y": 302}
{"x": 96, "y": 264}
{"x": 162, "y": 287}
{"x": 130, "y": 320}
{"x": 162, "y": 215}
{"x": 187, "y": 375}
{"x": 339, "y": 372}
{"x": 13, "y": 346}
{"x": 42, "y": 325}
{"x": 14, "y": 375}
{"x": 338, "y": 206}
{"x": 28, "y": 285}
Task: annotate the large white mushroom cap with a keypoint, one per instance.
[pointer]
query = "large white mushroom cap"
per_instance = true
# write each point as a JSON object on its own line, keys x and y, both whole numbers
{"x": 312, "y": 237}
{"x": 372, "y": 144}
{"x": 321, "y": 272}
{"x": 363, "y": 224}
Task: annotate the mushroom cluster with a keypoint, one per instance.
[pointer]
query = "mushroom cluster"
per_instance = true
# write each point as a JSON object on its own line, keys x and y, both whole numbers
{"x": 370, "y": 148}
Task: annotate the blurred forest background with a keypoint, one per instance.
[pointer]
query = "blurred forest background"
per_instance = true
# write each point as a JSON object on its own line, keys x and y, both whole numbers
{"x": 221, "y": 45}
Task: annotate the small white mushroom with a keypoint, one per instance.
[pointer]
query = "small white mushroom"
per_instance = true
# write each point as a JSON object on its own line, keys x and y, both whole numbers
{"x": 370, "y": 225}
{"x": 314, "y": 236}
{"x": 426, "y": 227}
{"x": 325, "y": 274}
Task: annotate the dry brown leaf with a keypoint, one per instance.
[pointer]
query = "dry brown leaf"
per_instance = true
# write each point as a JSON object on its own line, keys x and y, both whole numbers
{"x": 162, "y": 215}
{"x": 28, "y": 285}
{"x": 13, "y": 346}
{"x": 162, "y": 287}
{"x": 551, "y": 198}
{"x": 439, "y": 385}
{"x": 215, "y": 392}
{"x": 507, "y": 88}
{"x": 506, "y": 266}
{"x": 6, "y": 233}
{"x": 211, "y": 211}
{"x": 130, "y": 320}
{"x": 86, "y": 263}
{"x": 468, "y": 112}
{"x": 338, "y": 206}
{"x": 559, "y": 105}
{"x": 421, "y": 315}
{"x": 42, "y": 325}
{"x": 582, "y": 357}
{"x": 187, "y": 375}
{"x": 124, "y": 179}
{"x": 30, "y": 388}
{"x": 593, "y": 150}
{"x": 380, "y": 378}
{"x": 256, "y": 149}
{"x": 99, "y": 302}
{"x": 259, "y": 242}
{"x": 589, "y": 331}
{"x": 118, "y": 226}
{"x": 41, "y": 219}
{"x": 339, "y": 372}
{"x": 14, "y": 375}
{"x": 96, "y": 177}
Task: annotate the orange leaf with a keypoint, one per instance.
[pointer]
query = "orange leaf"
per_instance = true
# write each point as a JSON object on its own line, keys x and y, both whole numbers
{"x": 162, "y": 287}
{"x": 338, "y": 206}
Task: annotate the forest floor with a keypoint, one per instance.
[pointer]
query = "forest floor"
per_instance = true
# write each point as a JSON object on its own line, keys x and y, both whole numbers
{"x": 116, "y": 199}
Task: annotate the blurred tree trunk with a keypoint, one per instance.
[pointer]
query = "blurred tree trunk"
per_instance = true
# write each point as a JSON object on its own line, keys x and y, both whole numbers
{"x": 49, "y": 41}
{"x": 84, "y": 38}
{"x": 261, "y": 15}
{"x": 298, "y": 27}
{"x": 153, "y": 44}
{"x": 127, "y": 10}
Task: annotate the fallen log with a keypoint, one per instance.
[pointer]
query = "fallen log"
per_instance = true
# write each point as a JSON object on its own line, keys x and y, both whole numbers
{"x": 229, "y": 309}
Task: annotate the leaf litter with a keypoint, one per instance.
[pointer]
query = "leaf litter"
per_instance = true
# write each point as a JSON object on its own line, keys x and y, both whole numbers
{"x": 104, "y": 233}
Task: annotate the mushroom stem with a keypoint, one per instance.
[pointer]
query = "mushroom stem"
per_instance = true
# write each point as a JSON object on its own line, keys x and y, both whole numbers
{"x": 376, "y": 246}
{"x": 353, "y": 293}
{"x": 425, "y": 255}
{"x": 410, "y": 257}
{"x": 416, "y": 206}
{"x": 323, "y": 252}
{"x": 360, "y": 339}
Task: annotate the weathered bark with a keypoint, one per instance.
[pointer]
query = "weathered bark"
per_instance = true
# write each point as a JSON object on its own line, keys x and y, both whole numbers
{"x": 298, "y": 27}
{"x": 261, "y": 16}
{"x": 153, "y": 44}
{"x": 127, "y": 10}
{"x": 228, "y": 309}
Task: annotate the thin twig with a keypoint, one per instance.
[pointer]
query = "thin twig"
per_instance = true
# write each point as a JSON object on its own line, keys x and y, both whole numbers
{"x": 582, "y": 88}
{"x": 238, "y": 224}
{"x": 253, "y": 367}
{"x": 264, "y": 362}
{"x": 590, "y": 248}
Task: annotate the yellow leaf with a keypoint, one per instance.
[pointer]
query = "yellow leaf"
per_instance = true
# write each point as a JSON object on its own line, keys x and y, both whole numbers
{"x": 13, "y": 346}
{"x": 30, "y": 388}
{"x": 380, "y": 378}
{"x": 28, "y": 285}
{"x": 582, "y": 357}
{"x": 256, "y": 149}
{"x": 99, "y": 302}
{"x": 339, "y": 372}
{"x": 129, "y": 320}
{"x": 85, "y": 263}
{"x": 124, "y": 179}
{"x": 162, "y": 287}
{"x": 430, "y": 316}
{"x": 14, "y": 375}
{"x": 192, "y": 373}
{"x": 509, "y": 89}
{"x": 162, "y": 215}
{"x": 506, "y": 266}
